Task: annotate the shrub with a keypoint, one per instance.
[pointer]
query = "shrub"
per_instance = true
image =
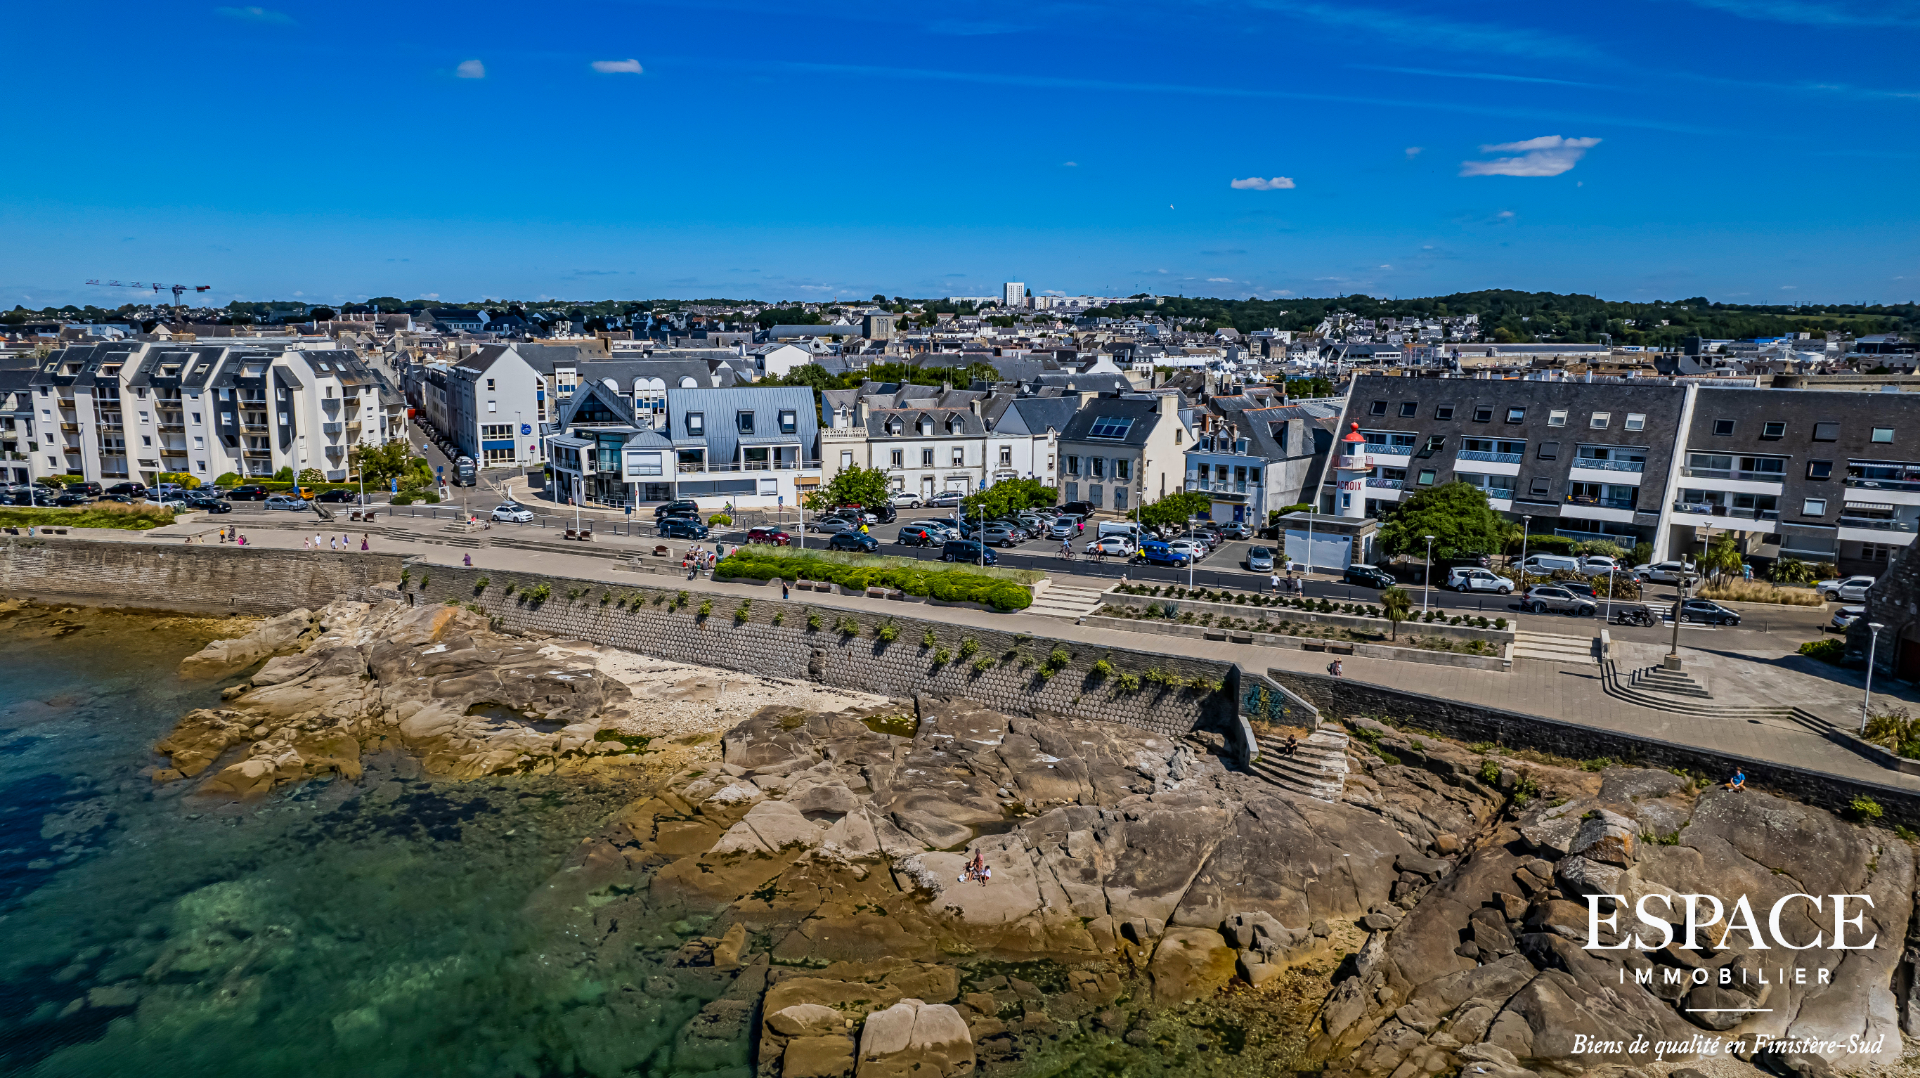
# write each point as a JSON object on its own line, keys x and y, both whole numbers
{"x": 1490, "y": 772}
{"x": 1057, "y": 659}
{"x": 509, "y": 589}
{"x": 887, "y": 633}
{"x": 813, "y": 620}
{"x": 539, "y": 593}
{"x": 1499, "y": 623}
{"x": 848, "y": 627}
{"x": 480, "y": 585}
{"x": 182, "y": 478}
{"x": 744, "y": 611}
{"x": 967, "y": 647}
{"x": 718, "y": 519}
{"x": 1866, "y": 808}
{"x": 1102, "y": 670}
{"x": 1828, "y": 650}
{"x": 401, "y": 499}
{"x": 941, "y": 656}
{"x": 984, "y": 664}
{"x": 227, "y": 479}
{"x": 706, "y": 608}
{"x": 779, "y": 617}
{"x": 1128, "y": 683}
{"x": 929, "y": 640}
{"x": 606, "y": 597}
{"x": 998, "y": 589}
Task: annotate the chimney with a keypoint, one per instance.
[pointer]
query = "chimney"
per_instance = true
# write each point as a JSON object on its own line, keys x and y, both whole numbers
{"x": 974, "y": 405}
{"x": 860, "y": 412}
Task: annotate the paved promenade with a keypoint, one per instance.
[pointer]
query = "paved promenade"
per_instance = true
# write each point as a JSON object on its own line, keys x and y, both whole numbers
{"x": 1562, "y": 691}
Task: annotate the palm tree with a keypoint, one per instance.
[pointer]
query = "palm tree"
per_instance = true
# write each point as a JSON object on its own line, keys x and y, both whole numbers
{"x": 1399, "y": 607}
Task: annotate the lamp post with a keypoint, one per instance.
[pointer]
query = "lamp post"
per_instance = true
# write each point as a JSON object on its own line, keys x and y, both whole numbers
{"x": 1873, "y": 646}
{"x": 1190, "y": 557}
{"x": 1526, "y": 533}
{"x": 1426, "y": 585}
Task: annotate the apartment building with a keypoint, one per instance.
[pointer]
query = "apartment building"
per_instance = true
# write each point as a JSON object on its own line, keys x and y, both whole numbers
{"x": 1125, "y": 450}
{"x": 751, "y": 447}
{"x": 131, "y": 410}
{"x": 16, "y": 424}
{"x": 1253, "y": 454}
{"x": 1816, "y": 475}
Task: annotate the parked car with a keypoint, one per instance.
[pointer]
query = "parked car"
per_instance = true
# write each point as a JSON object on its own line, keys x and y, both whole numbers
{"x": 680, "y": 508}
{"x": 1194, "y": 549}
{"x": 1207, "y": 540}
{"x": 1112, "y": 545}
{"x": 941, "y": 530}
{"x": 1236, "y": 529}
{"x": 69, "y": 499}
{"x": 1844, "y": 618}
{"x": 1465, "y": 579}
{"x": 131, "y": 490}
{"x": 1707, "y": 612}
{"x": 858, "y": 514}
{"x": 1078, "y": 509}
{"x": 1369, "y": 576}
{"x": 830, "y": 525}
{"x": 207, "y": 503}
{"x": 248, "y": 492}
{"x": 1154, "y": 552}
{"x": 1847, "y": 589}
{"x": 1578, "y": 588}
{"x": 1542, "y": 598}
{"x": 915, "y": 535}
{"x": 1001, "y": 535}
{"x": 967, "y": 550}
{"x": 513, "y": 513}
{"x": 123, "y": 499}
{"x": 1601, "y": 565}
{"x": 904, "y": 500}
{"x": 1666, "y": 572}
{"x": 945, "y": 499}
{"x": 858, "y": 542}
{"x": 1063, "y": 527}
{"x": 680, "y": 528}
{"x": 1468, "y": 560}
{"x": 88, "y": 487}
{"x": 176, "y": 501}
{"x": 285, "y": 501}
{"x": 337, "y": 495}
{"x": 769, "y": 535}
{"x": 1548, "y": 564}
{"x": 1259, "y": 559}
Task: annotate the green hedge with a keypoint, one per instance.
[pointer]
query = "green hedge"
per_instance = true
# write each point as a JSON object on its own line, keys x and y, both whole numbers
{"x": 946, "y": 585}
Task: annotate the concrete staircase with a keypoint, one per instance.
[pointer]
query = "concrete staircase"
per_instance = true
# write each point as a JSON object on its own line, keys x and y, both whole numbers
{"x": 1067, "y": 601}
{"x": 1677, "y": 692}
{"x": 1671, "y": 682}
{"x": 1552, "y": 647}
{"x": 1318, "y": 767}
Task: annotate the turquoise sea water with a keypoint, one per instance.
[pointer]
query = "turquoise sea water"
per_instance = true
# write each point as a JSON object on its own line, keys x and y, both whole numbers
{"x": 381, "y": 928}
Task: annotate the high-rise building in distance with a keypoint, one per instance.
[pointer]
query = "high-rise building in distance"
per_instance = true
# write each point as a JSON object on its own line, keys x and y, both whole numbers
{"x": 1013, "y": 294}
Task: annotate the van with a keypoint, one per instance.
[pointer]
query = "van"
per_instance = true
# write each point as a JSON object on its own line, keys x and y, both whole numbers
{"x": 1547, "y": 564}
{"x": 1119, "y": 527}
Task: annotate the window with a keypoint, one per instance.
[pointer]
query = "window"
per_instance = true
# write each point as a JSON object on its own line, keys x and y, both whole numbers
{"x": 1813, "y": 507}
{"x": 1515, "y": 415}
{"x": 1599, "y": 420}
{"x": 1398, "y": 443}
{"x": 959, "y": 457}
{"x": 1408, "y": 409}
{"x": 898, "y": 460}
{"x": 496, "y": 431}
{"x": 789, "y": 422}
{"x": 1377, "y": 408}
{"x": 1557, "y": 417}
{"x": 1483, "y": 413}
{"x": 1123, "y": 469}
{"x": 1541, "y": 487}
{"x": 696, "y": 424}
{"x": 1636, "y": 421}
{"x": 644, "y": 463}
{"x": 1426, "y": 477}
{"x": 1549, "y": 451}
{"x": 1819, "y": 469}
{"x": 1006, "y": 456}
{"x": 1722, "y": 428}
{"x": 196, "y": 417}
{"x": 1772, "y": 430}
{"x": 926, "y": 457}
{"x": 1115, "y": 426}
{"x": 489, "y": 387}
{"x": 1883, "y": 434}
{"x": 1826, "y": 432}
{"x": 493, "y": 406}
{"x": 1099, "y": 467}
{"x": 146, "y": 439}
{"x": 1073, "y": 467}
{"x": 744, "y": 420}
{"x": 1443, "y": 411}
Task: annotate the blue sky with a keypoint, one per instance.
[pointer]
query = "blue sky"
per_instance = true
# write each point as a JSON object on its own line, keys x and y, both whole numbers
{"x": 1748, "y": 151}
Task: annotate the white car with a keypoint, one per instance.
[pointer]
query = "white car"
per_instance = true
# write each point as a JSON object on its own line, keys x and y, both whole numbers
{"x": 513, "y": 514}
{"x": 1464, "y": 579}
{"x": 904, "y": 500}
{"x": 942, "y": 530}
{"x": 1112, "y": 544}
{"x": 1192, "y": 548}
{"x": 1600, "y": 565}
{"x": 1666, "y": 572}
{"x": 1848, "y": 589}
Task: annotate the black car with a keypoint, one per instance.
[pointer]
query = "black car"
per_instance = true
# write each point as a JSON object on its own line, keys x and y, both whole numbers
{"x": 1468, "y": 560}
{"x": 250, "y": 492}
{"x": 858, "y": 542}
{"x": 1369, "y": 576}
{"x": 1083, "y": 510}
{"x": 88, "y": 488}
{"x": 131, "y": 490}
{"x": 341, "y": 494}
{"x": 681, "y": 528}
{"x": 677, "y": 509}
{"x": 1707, "y": 612}
{"x": 207, "y": 503}
{"x": 968, "y": 550}
{"x": 70, "y": 499}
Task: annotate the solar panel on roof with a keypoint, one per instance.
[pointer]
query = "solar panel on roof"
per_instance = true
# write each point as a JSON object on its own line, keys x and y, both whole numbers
{"x": 1110, "y": 427}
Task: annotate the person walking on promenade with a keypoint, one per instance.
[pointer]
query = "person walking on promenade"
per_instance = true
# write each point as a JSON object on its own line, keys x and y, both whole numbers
{"x": 364, "y": 545}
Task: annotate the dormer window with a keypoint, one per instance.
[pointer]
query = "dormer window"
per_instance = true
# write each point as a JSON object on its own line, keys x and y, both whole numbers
{"x": 926, "y": 427}
{"x": 744, "y": 421}
{"x": 789, "y": 422}
{"x": 895, "y": 427}
{"x": 696, "y": 424}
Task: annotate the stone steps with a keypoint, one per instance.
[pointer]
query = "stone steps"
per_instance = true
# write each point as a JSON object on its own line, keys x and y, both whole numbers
{"x": 1317, "y": 769}
{"x": 1672, "y": 682}
{"x": 1067, "y": 601}
{"x": 1552, "y": 647}
{"x": 1697, "y": 705}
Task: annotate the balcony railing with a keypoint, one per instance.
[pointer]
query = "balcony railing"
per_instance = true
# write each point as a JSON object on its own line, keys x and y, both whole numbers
{"x": 1601, "y": 503}
{"x": 1600, "y": 464}
{"x": 1382, "y": 449}
{"x": 1488, "y": 458}
{"x": 1708, "y": 509}
{"x": 1883, "y": 484}
{"x": 1734, "y": 473}
{"x": 1389, "y": 484}
{"x": 757, "y": 466}
{"x": 1882, "y": 524}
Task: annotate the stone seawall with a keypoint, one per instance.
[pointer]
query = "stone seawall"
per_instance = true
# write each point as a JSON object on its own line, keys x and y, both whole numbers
{"x": 191, "y": 578}
{"x": 999, "y": 668}
{"x": 1473, "y": 723}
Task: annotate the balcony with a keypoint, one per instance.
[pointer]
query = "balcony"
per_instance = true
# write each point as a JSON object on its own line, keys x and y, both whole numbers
{"x": 1742, "y": 474}
{"x": 1708, "y": 509}
{"x": 693, "y": 467}
{"x": 1488, "y": 458}
{"x": 332, "y": 428}
{"x": 1601, "y": 503}
{"x": 1386, "y": 484}
{"x": 1885, "y": 524}
{"x": 1599, "y": 465}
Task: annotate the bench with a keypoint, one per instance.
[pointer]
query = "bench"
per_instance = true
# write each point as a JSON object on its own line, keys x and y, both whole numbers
{"x": 583, "y": 533}
{"x": 365, "y": 515}
{"x": 661, "y": 551}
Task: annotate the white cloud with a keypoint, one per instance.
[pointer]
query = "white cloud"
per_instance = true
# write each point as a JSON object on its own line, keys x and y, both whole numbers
{"x": 617, "y": 67}
{"x": 470, "y": 69}
{"x": 1255, "y": 183}
{"x": 1414, "y": 151}
{"x": 1219, "y": 280}
{"x": 1503, "y": 214}
{"x": 256, "y": 14}
{"x": 1384, "y": 266}
{"x": 1069, "y": 164}
{"x": 1548, "y": 155}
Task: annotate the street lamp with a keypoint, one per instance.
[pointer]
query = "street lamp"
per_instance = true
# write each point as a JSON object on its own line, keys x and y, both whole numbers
{"x": 1190, "y": 557}
{"x": 1526, "y": 532}
{"x": 1873, "y": 645}
{"x": 1426, "y": 585}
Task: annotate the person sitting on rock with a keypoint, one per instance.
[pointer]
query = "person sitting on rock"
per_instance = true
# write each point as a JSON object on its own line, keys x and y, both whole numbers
{"x": 1738, "y": 781}
{"x": 1293, "y": 745}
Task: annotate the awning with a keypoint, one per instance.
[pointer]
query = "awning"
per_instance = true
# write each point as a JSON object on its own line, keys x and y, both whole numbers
{"x": 1851, "y": 504}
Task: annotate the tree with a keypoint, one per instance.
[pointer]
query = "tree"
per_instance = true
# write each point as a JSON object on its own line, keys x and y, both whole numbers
{"x": 855, "y": 486}
{"x": 1010, "y": 495}
{"x": 310, "y": 476}
{"x": 389, "y": 460}
{"x": 1175, "y": 510}
{"x": 1456, "y": 515}
{"x": 1722, "y": 556}
{"x": 1399, "y": 607}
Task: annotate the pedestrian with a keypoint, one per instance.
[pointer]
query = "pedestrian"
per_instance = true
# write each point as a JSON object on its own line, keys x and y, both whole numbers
{"x": 786, "y": 588}
{"x": 242, "y": 540}
{"x": 1273, "y": 584}
{"x": 1746, "y": 572}
{"x": 466, "y": 560}
{"x": 1738, "y": 781}
{"x": 317, "y": 540}
{"x": 986, "y": 875}
{"x": 1080, "y": 526}
{"x": 364, "y": 546}
{"x": 1335, "y": 668}
{"x": 306, "y": 543}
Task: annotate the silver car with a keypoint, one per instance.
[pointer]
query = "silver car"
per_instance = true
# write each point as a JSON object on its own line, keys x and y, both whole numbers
{"x": 1064, "y": 528}
{"x": 1259, "y": 559}
{"x": 1543, "y": 598}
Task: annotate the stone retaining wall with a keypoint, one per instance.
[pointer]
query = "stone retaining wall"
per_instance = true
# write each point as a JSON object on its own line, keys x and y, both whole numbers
{"x": 196, "y": 578}
{"x": 1337, "y": 697}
